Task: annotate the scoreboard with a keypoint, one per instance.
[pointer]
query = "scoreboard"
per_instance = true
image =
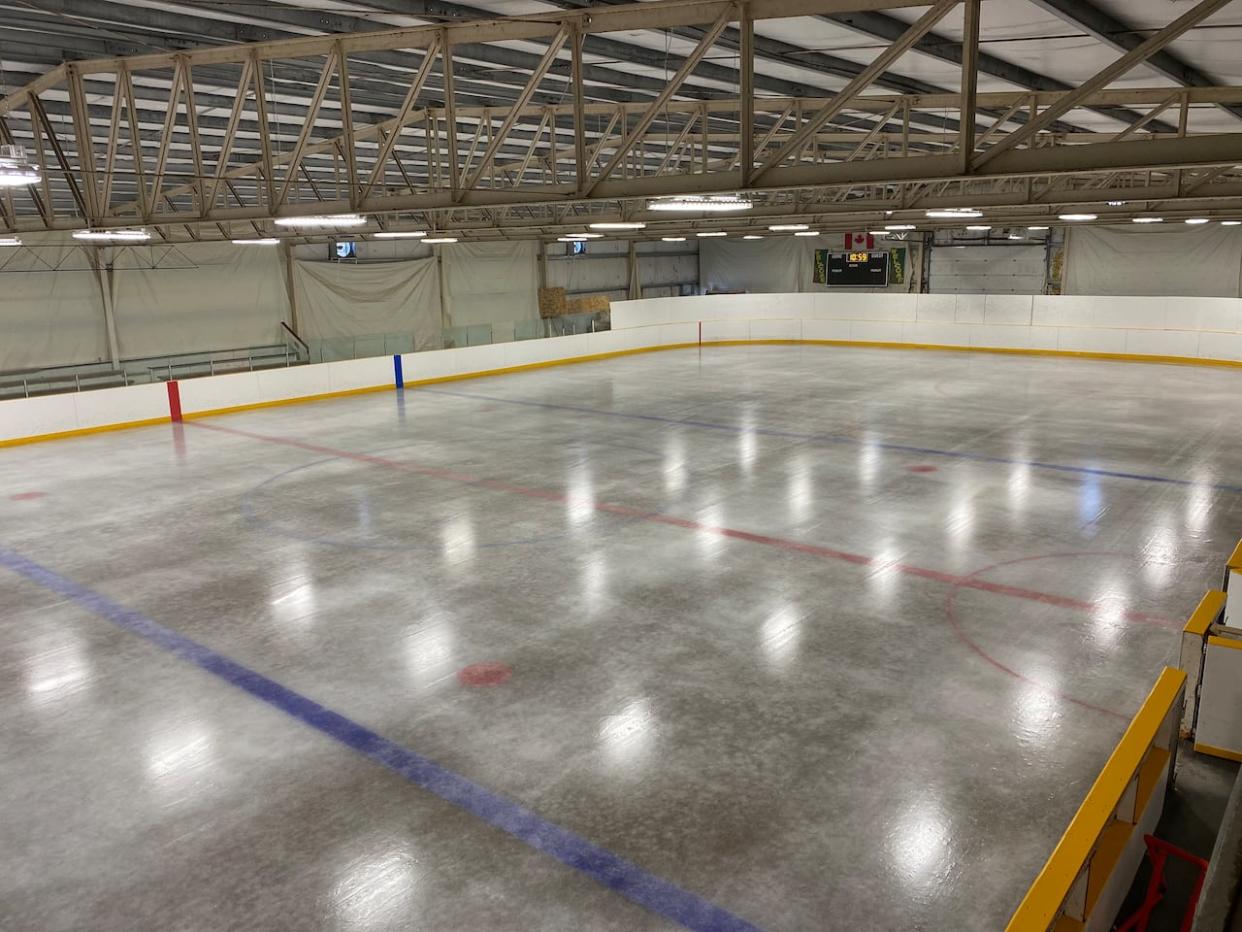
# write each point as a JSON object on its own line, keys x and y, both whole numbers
{"x": 857, "y": 269}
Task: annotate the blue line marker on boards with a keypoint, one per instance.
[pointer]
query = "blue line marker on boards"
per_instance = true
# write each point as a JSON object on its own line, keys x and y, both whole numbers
{"x": 839, "y": 439}
{"x": 398, "y": 375}
{"x": 612, "y": 871}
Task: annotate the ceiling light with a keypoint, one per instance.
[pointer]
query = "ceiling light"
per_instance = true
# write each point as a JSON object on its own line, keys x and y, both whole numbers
{"x": 10, "y": 241}
{"x": 441, "y": 239}
{"x": 978, "y": 229}
{"x": 713, "y": 233}
{"x": 618, "y": 225}
{"x": 584, "y": 235}
{"x": 807, "y": 233}
{"x": 132, "y": 236}
{"x": 1078, "y": 216}
{"x": 566, "y": 239}
{"x": 1037, "y": 228}
{"x": 1148, "y": 220}
{"x": 752, "y": 236}
{"x": 15, "y": 169}
{"x": 1016, "y": 236}
{"x": 322, "y": 220}
{"x": 264, "y": 241}
{"x": 788, "y": 227}
{"x": 900, "y": 226}
{"x": 1198, "y": 220}
{"x": 955, "y": 213}
{"x": 1118, "y": 203}
{"x": 673, "y": 239}
{"x": 400, "y": 234}
{"x": 1231, "y": 223}
{"x": 877, "y": 233}
{"x": 694, "y": 203}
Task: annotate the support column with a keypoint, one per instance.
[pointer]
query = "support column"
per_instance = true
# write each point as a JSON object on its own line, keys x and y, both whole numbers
{"x": 286, "y": 255}
{"x": 636, "y": 288}
{"x": 101, "y": 260}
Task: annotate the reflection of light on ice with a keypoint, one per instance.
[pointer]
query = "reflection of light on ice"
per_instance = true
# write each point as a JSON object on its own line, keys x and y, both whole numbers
{"x": 885, "y": 573}
{"x": 1160, "y": 554}
{"x": 293, "y": 594}
{"x": 1037, "y": 709}
{"x": 580, "y": 499}
{"x": 710, "y": 541}
{"x": 1019, "y": 487}
{"x": 628, "y": 736}
{"x": 594, "y": 582}
{"x": 1109, "y": 616}
{"x": 1198, "y": 506}
{"x": 918, "y": 845}
{"x": 377, "y": 891}
{"x": 779, "y": 636}
{"x": 674, "y": 464}
{"x": 868, "y": 464}
{"x": 429, "y": 652}
{"x": 457, "y": 536}
{"x": 177, "y": 760}
{"x": 801, "y": 488}
{"x": 57, "y": 673}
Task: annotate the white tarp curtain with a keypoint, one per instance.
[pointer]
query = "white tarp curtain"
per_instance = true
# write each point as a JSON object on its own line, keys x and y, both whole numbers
{"x": 486, "y": 283}
{"x": 777, "y": 264}
{"x": 49, "y": 318}
{"x": 196, "y": 298}
{"x": 988, "y": 269}
{"x": 1176, "y": 260}
{"x": 342, "y": 299}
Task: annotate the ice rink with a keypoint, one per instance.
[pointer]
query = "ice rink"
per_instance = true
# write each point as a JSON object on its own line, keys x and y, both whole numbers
{"x": 731, "y": 638}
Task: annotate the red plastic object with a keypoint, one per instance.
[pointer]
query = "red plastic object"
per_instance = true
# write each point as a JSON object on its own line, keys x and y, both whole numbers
{"x": 1159, "y": 851}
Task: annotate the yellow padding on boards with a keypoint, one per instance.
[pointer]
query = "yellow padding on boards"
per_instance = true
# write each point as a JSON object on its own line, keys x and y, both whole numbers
{"x": 1207, "y": 611}
{"x": 1232, "y": 643}
{"x": 83, "y": 431}
{"x": 1213, "y": 751}
{"x": 1048, "y": 892}
{"x": 1235, "y": 559}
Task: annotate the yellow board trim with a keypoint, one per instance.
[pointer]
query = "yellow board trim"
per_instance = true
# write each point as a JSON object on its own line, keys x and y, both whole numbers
{"x": 1205, "y": 613}
{"x": 1046, "y": 895}
{"x": 1218, "y": 752}
{"x": 1231, "y": 643}
{"x": 573, "y": 360}
{"x": 83, "y": 431}
{"x": 1235, "y": 559}
{"x": 300, "y": 399}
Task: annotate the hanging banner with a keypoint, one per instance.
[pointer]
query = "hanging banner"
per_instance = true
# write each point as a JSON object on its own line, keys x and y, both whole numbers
{"x": 820, "y": 276}
{"x": 897, "y": 266}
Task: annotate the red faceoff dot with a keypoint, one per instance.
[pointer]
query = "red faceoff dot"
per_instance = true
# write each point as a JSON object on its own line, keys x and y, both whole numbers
{"x": 26, "y": 496}
{"x": 488, "y": 673}
{"x": 921, "y": 468}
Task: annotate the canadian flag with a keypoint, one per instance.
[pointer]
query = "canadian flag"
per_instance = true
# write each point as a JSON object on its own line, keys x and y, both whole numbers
{"x": 859, "y": 242}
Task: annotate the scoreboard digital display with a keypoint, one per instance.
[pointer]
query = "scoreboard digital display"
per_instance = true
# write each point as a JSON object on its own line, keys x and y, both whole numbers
{"x": 857, "y": 269}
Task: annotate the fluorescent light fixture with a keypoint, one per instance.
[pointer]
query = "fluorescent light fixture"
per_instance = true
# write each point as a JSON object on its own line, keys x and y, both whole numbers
{"x": 1195, "y": 221}
{"x": 672, "y": 239}
{"x": 712, "y": 233}
{"x": 566, "y": 239}
{"x": 1231, "y": 223}
{"x": 618, "y": 225}
{"x": 1072, "y": 217}
{"x": 807, "y": 233}
{"x": 1016, "y": 236}
{"x": 900, "y": 226}
{"x": 1037, "y": 228}
{"x": 978, "y": 229}
{"x": 1118, "y": 203}
{"x": 1148, "y": 220}
{"x": 877, "y": 233}
{"x": 400, "y": 234}
{"x": 16, "y": 170}
{"x": 584, "y": 235}
{"x": 10, "y": 241}
{"x": 127, "y": 236}
{"x": 264, "y": 241}
{"x": 441, "y": 239}
{"x": 955, "y": 213}
{"x": 694, "y": 203}
{"x": 788, "y": 227}
{"x": 752, "y": 236}
{"x": 322, "y": 220}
